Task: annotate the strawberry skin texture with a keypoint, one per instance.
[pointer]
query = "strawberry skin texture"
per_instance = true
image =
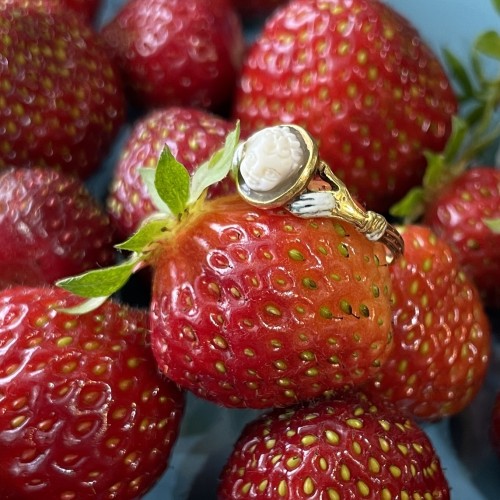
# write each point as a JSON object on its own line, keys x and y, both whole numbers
{"x": 442, "y": 336}
{"x": 255, "y": 308}
{"x": 51, "y": 227}
{"x": 174, "y": 52}
{"x": 457, "y": 215}
{"x": 359, "y": 78}
{"x": 87, "y": 9}
{"x": 62, "y": 98}
{"x": 342, "y": 448}
{"x": 84, "y": 412}
{"x": 192, "y": 136}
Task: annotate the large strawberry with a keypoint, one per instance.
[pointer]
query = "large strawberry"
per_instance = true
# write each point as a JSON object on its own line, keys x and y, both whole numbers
{"x": 192, "y": 135}
{"x": 343, "y": 448}
{"x": 361, "y": 80}
{"x": 87, "y": 9}
{"x": 84, "y": 412}
{"x": 460, "y": 215}
{"x": 253, "y": 307}
{"x": 174, "y": 52}
{"x": 442, "y": 336}
{"x": 51, "y": 227}
{"x": 61, "y": 97}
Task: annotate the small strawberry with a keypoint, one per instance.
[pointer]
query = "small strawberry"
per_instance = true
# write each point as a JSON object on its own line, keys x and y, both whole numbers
{"x": 460, "y": 214}
{"x": 253, "y": 307}
{"x": 61, "y": 97}
{"x": 341, "y": 448}
{"x": 87, "y": 9}
{"x": 441, "y": 333}
{"x": 84, "y": 412}
{"x": 174, "y": 52}
{"x": 192, "y": 135}
{"x": 51, "y": 227}
{"x": 359, "y": 77}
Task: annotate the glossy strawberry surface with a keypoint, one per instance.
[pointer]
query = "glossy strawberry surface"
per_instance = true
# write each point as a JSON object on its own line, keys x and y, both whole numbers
{"x": 51, "y": 227}
{"x": 174, "y": 52}
{"x": 459, "y": 215}
{"x": 87, "y": 9}
{"x": 192, "y": 136}
{"x": 84, "y": 412}
{"x": 255, "y": 308}
{"x": 343, "y": 448}
{"x": 61, "y": 96}
{"x": 359, "y": 77}
{"x": 442, "y": 336}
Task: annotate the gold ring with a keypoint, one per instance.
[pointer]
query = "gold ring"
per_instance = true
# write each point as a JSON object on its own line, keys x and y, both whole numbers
{"x": 280, "y": 167}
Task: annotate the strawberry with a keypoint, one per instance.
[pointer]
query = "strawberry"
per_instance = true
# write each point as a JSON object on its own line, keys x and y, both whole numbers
{"x": 252, "y": 307}
{"x": 346, "y": 447}
{"x": 358, "y": 76}
{"x": 459, "y": 215}
{"x": 87, "y": 9}
{"x": 192, "y": 135}
{"x": 441, "y": 333}
{"x": 51, "y": 227}
{"x": 84, "y": 412}
{"x": 174, "y": 52}
{"x": 62, "y": 98}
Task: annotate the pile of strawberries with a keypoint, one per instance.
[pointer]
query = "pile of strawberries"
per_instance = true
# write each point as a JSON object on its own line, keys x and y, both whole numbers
{"x": 113, "y": 308}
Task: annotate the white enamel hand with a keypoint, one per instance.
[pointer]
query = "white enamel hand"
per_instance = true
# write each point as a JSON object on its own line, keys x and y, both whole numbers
{"x": 313, "y": 204}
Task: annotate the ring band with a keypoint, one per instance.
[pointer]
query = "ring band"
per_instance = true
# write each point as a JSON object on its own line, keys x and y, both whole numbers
{"x": 280, "y": 167}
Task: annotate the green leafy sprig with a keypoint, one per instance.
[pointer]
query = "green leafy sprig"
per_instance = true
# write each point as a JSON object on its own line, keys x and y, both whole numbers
{"x": 473, "y": 132}
{"x": 175, "y": 194}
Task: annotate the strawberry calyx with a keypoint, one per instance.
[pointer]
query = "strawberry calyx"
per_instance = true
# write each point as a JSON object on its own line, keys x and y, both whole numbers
{"x": 474, "y": 130}
{"x": 177, "y": 196}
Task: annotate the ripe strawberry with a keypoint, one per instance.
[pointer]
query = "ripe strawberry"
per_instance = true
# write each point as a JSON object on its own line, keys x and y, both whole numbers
{"x": 441, "y": 333}
{"x": 84, "y": 412}
{"x": 174, "y": 52}
{"x": 87, "y": 9}
{"x": 342, "y": 448}
{"x": 256, "y": 308}
{"x": 192, "y": 136}
{"x": 359, "y": 77}
{"x": 459, "y": 215}
{"x": 51, "y": 227}
{"x": 62, "y": 98}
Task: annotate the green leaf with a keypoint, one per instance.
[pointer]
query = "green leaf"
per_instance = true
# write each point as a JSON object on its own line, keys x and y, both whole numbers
{"x": 488, "y": 43}
{"x": 435, "y": 170}
{"x": 216, "y": 168}
{"x": 151, "y": 230}
{"x": 459, "y": 73}
{"x": 493, "y": 224}
{"x": 172, "y": 182}
{"x": 148, "y": 177}
{"x": 496, "y": 5}
{"x": 411, "y": 206}
{"x": 86, "y": 306}
{"x": 100, "y": 282}
{"x": 459, "y": 129}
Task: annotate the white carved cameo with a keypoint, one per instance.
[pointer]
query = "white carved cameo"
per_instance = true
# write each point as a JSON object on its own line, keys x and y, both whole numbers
{"x": 271, "y": 157}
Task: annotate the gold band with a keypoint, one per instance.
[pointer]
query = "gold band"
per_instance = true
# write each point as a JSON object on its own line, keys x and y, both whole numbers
{"x": 280, "y": 166}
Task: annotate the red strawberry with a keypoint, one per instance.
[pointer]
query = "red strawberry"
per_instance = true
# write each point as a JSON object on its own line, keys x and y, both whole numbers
{"x": 192, "y": 136}
{"x": 85, "y": 8}
{"x": 359, "y": 77}
{"x": 343, "y": 448}
{"x": 441, "y": 332}
{"x": 51, "y": 227}
{"x": 459, "y": 215}
{"x": 62, "y": 99}
{"x": 175, "y": 52}
{"x": 83, "y": 411}
{"x": 258, "y": 308}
